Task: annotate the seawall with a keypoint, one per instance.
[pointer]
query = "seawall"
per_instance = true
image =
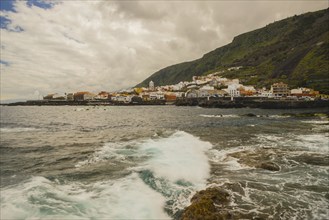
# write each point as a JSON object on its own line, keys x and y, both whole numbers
{"x": 251, "y": 102}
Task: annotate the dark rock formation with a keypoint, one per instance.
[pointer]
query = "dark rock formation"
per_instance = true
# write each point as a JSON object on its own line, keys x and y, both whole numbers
{"x": 249, "y": 115}
{"x": 251, "y": 102}
{"x": 313, "y": 159}
{"x": 269, "y": 166}
{"x": 258, "y": 159}
{"x": 208, "y": 204}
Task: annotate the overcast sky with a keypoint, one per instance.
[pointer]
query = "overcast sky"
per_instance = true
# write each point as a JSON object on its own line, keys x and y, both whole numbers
{"x": 74, "y": 46}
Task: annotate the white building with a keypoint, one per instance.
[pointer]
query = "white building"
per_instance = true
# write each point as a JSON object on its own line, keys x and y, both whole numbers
{"x": 151, "y": 85}
{"x": 121, "y": 98}
{"x": 83, "y": 96}
{"x": 266, "y": 94}
{"x": 280, "y": 89}
{"x": 192, "y": 93}
{"x": 233, "y": 90}
{"x": 157, "y": 95}
{"x": 178, "y": 86}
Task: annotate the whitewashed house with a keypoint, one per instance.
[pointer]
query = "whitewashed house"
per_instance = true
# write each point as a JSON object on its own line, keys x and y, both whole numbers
{"x": 233, "y": 90}
{"x": 192, "y": 93}
{"x": 266, "y": 93}
{"x": 151, "y": 85}
{"x": 157, "y": 95}
{"x": 121, "y": 98}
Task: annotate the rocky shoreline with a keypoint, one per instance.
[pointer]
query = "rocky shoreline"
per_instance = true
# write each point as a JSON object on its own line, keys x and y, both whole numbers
{"x": 252, "y": 102}
{"x": 83, "y": 103}
{"x": 214, "y": 203}
{"x": 211, "y": 102}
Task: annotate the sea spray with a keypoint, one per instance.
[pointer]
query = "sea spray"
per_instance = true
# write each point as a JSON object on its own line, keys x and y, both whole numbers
{"x": 126, "y": 198}
{"x": 179, "y": 157}
{"x": 165, "y": 173}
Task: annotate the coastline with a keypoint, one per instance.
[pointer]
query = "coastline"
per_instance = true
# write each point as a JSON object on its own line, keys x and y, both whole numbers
{"x": 252, "y": 102}
{"x": 206, "y": 102}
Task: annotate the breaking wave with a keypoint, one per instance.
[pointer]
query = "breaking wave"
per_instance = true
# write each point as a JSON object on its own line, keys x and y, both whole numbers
{"x": 166, "y": 173}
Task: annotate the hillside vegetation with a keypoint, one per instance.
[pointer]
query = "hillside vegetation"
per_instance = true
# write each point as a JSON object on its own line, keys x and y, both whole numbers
{"x": 294, "y": 50}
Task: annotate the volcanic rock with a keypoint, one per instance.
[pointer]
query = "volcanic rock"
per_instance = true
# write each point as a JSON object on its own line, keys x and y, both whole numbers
{"x": 208, "y": 204}
{"x": 269, "y": 166}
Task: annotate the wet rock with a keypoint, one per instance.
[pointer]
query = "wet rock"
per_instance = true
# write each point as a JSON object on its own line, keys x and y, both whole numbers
{"x": 250, "y": 115}
{"x": 269, "y": 166}
{"x": 217, "y": 195}
{"x": 253, "y": 158}
{"x": 208, "y": 204}
{"x": 236, "y": 187}
{"x": 214, "y": 204}
{"x": 313, "y": 159}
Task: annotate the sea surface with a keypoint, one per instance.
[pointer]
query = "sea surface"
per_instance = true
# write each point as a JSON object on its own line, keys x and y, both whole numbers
{"x": 146, "y": 162}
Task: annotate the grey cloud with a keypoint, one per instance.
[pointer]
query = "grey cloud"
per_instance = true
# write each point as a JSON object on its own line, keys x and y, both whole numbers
{"x": 142, "y": 10}
{"x": 110, "y": 45}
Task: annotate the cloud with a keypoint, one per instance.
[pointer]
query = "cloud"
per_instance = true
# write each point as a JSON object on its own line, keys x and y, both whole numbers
{"x": 110, "y": 45}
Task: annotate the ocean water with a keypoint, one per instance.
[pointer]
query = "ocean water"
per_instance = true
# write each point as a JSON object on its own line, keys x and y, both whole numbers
{"x": 146, "y": 162}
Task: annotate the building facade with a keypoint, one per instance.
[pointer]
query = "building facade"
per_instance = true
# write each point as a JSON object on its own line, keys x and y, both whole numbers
{"x": 280, "y": 89}
{"x": 233, "y": 90}
{"x": 151, "y": 85}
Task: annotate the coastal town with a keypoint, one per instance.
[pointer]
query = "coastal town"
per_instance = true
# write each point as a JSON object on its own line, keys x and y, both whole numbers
{"x": 211, "y": 90}
{"x": 212, "y": 85}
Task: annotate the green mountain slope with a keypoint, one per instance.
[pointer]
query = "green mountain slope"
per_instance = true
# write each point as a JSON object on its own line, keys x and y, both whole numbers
{"x": 294, "y": 50}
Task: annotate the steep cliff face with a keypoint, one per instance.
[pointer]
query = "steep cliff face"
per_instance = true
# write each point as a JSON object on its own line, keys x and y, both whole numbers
{"x": 294, "y": 50}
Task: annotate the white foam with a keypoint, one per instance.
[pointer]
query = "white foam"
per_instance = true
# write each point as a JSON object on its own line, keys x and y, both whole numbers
{"x": 278, "y": 116}
{"x": 321, "y": 128}
{"x": 316, "y": 122}
{"x": 314, "y": 142}
{"x": 229, "y": 163}
{"x": 310, "y": 142}
{"x": 219, "y": 116}
{"x": 175, "y": 166}
{"x": 179, "y": 157}
{"x": 39, "y": 198}
{"x": 111, "y": 151}
{"x": 272, "y": 141}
